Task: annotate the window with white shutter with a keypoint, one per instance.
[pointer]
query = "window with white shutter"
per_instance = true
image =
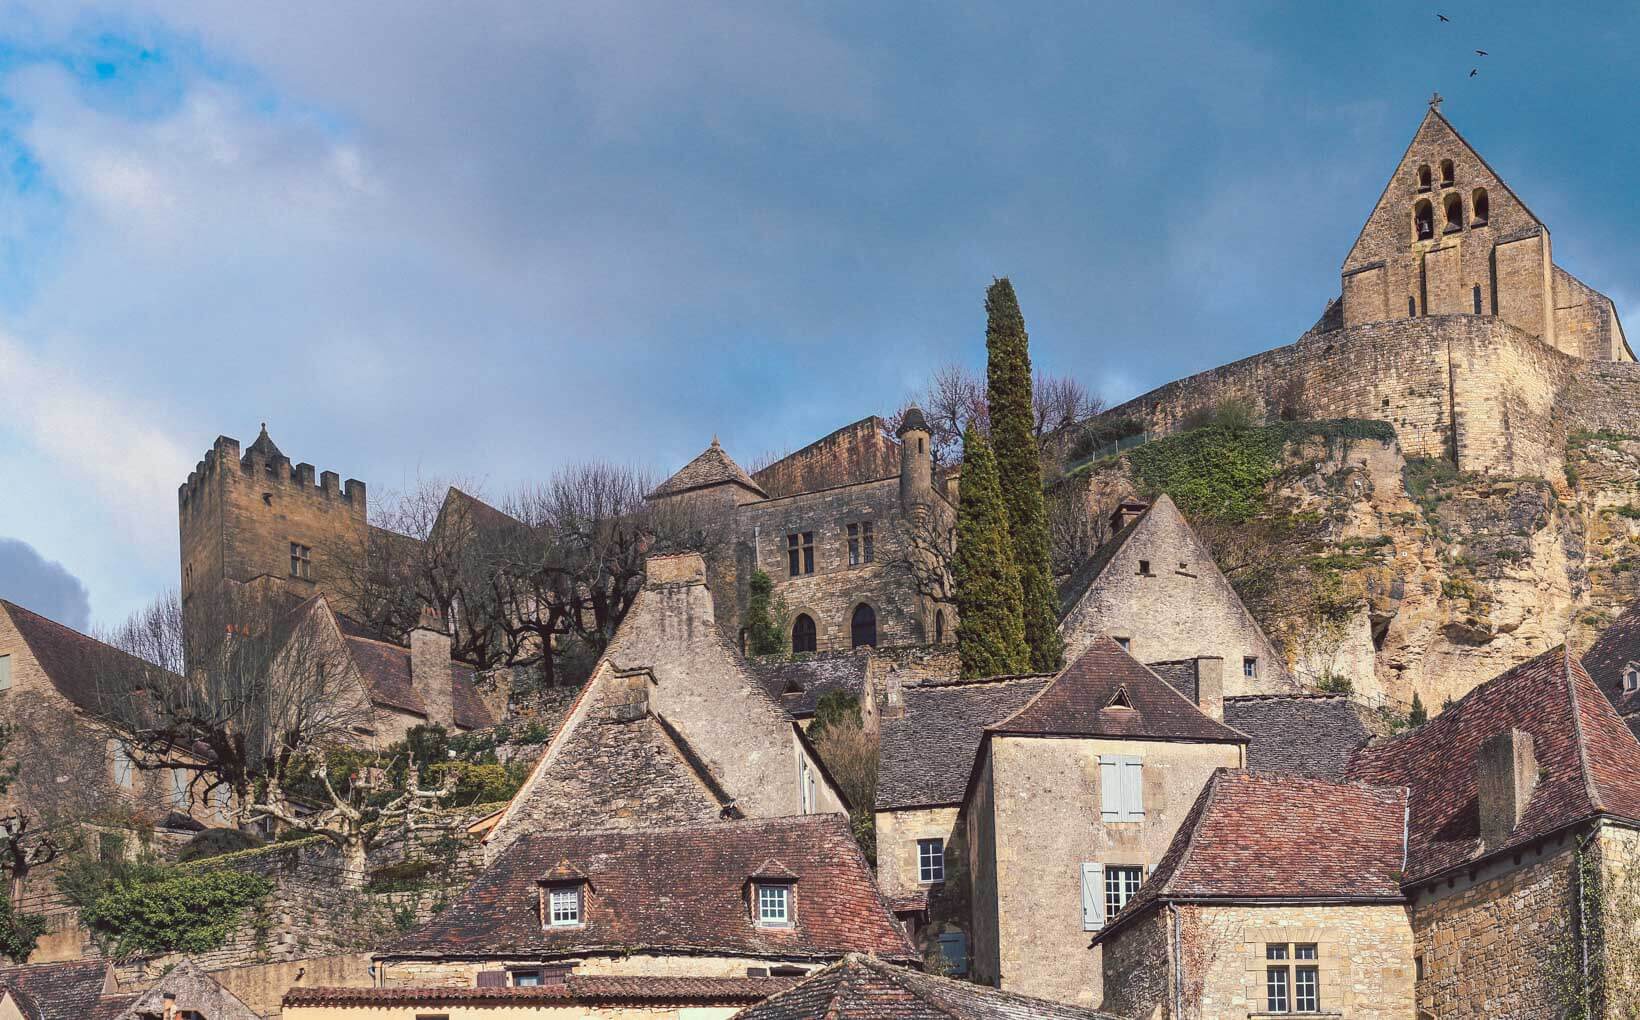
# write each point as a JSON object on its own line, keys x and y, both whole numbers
{"x": 1093, "y": 896}
{"x": 1121, "y": 788}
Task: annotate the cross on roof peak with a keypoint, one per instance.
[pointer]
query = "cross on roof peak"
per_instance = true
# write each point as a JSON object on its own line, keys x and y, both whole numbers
{"x": 1435, "y": 101}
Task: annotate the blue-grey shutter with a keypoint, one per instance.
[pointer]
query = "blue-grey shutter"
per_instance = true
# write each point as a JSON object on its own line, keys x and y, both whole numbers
{"x": 1133, "y": 789}
{"x": 1093, "y": 896}
{"x": 1110, "y": 788}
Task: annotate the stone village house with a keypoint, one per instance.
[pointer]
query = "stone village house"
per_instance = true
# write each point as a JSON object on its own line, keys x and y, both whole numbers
{"x": 87, "y": 990}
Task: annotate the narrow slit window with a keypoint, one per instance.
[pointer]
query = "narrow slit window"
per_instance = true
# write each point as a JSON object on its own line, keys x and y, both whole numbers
{"x": 1477, "y": 297}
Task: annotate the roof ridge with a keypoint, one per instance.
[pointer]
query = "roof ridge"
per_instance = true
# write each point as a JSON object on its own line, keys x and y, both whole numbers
{"x": 1209, "y": 796}
{"x": 1578, "y": 738}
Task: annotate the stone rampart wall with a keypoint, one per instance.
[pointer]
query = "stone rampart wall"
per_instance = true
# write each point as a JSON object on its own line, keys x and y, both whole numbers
{"x": 854, "y": 453}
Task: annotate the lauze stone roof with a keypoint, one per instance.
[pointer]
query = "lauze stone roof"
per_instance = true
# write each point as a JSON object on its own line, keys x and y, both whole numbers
{"x": 680, "y": 890}
{"x": 61, "y": 991}
{"x": 1606, "y": 659}
{"x": 1108, "y": 693}
{"x": 1588, "y": 762}
{"x": 799, "y": 685}
{"x": 1310, "y": 735}
{"x": 712, "y": 467}
{"x": 861, "y": 988}
{"x": 386, "y": 670}
{"x": 927, "y": 754}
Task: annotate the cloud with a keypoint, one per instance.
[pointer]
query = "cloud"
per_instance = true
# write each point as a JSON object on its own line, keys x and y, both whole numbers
{"x": 41, "y": 585}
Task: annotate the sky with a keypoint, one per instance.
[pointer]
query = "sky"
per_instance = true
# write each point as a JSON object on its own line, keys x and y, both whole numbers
{"x": 489, "y": 239}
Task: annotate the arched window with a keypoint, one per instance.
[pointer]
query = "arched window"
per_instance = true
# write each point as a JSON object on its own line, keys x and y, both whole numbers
{"x": 803, "y": 634}
{"x": 1423, "y": 219}
{"x": 1412, "y": 307}
{"x": 863, "y": 626}
{"x": 939, "y": 626}
{"x": 1482, "y": 208}
{"x": 1423, "y": 177}
{"x": 1454, "y": 213}
{"x": 1446, "y": 172}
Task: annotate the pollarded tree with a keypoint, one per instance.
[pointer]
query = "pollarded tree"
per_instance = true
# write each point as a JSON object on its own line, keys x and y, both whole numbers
{"x": 990, "y": 628}
{"x": 1019, "y": 469}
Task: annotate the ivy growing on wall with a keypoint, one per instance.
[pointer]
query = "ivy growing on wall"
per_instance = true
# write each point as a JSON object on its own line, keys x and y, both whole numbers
{"x": 18, "y": 932}
{"x": 145, "y": 907}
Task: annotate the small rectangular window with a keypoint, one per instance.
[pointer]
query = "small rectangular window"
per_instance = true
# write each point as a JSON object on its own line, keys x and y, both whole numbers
{"x": 808, "y": 552}
{"x": 954, "y": 949}
{"x": 1249, "y": 666}
{"x": 1144, "y": 567}
{"x": 774, "y": 905}
{"x": 564, "y": 906}
{"x": 1304, "y": 951}
{"x": 930, "y": 861}
{"x": 1275, "y": 988}
{"x": 1477, "y": 299}
{"x": 1120, "y": 885}
{"x": 793, "y": 556}
{"x": 5, "y": 672}
{"x": 1275, "y": 951}
{"x": 1306, "y": 990}
{"x": 527, "y": 979}
{"x": 301, "y": 560}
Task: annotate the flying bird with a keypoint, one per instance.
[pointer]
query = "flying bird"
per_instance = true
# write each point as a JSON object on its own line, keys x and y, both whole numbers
{"x": 1473, "y": 71}
{"x": 1443, "y": 17}
{"x": 1480, "y": 53}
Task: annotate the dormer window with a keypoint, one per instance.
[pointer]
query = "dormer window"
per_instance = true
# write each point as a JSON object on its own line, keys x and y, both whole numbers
{"x": 773, "y": 905}
{"x": 564, "y": 906}
{"x": 1631, "y": 677}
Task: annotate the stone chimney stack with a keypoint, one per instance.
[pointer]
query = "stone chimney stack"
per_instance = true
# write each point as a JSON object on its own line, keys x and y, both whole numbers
{"x": 893, "y": 697}
{"x": 916, "y": 460}
{"x": 1210, "y": 686}
{"x": 630, "y": 701}
{"x": 1506, "y": 772}
{"x": 1126, "y": 513}
{"x": 430, "y": 667}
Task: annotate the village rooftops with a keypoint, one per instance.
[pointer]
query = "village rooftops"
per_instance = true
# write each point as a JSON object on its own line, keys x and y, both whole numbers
{"x": 685, "y": 890}
{"x": 1309, "y": 735}
{"x": 860, "y": 986}
{"x": 1108, "y": 693}
{"x": 800, "y": 684}
{"x": 61, "y": 991}
{"x": 1265, "y": 839}
{"x": 1614, "y": 655}
{"x": 1585, "y": 763}
{"x": 927, "y": 754}
{"x": 575, "y": 989}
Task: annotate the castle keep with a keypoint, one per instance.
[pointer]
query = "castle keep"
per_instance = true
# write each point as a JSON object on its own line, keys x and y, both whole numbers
{"x": 1453, "y": 323}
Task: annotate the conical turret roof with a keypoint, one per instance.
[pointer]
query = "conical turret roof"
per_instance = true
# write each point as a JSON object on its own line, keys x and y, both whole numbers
{"x": 265, "y": 445}
{"x": 712, "y": 467}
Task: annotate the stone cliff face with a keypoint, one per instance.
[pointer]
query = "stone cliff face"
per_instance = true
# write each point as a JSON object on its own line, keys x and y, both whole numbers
{"x": 1395, "y": 576}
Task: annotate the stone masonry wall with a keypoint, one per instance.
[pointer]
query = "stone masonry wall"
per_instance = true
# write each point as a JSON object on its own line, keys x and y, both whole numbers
{"x": 854, "y": 453}
{"x": 1513, "y": 398}
{"x": 898, "y": 870}
{"x": 1485, "y": 945}
{"x": 1046, "y": 797}
{"x": 1138, "y": 969}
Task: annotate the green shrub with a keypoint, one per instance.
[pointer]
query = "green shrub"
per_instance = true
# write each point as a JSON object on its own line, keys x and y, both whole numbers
{"x": 1332, "y": 683}
{"x": 484, "y": 783}
{"x": 149, "y": 908}
{"x": 1417, "y": 716}
{"x": 832, "y": 708}
{"x": 18, "y": 932}
{"x": 216, "y": 842}
{"x": 765, "y": 618}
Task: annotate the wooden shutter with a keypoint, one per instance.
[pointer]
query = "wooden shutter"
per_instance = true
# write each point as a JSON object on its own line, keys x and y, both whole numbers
{"x": 1110, "y": 788}
{"x": 1133, "y": 789}
{"x": 492, "y": 979}
{"x": 1093, "y": 896}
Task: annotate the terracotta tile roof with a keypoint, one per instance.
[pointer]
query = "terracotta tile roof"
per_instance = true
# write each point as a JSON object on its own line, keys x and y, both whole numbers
{"x": 1309, "y": 735}
{"x": 926, "y": 755}
{"x": 386, "y": 669}
{"x": 672, "y": 890}
{"x": 61, "y": 991}
{"x": 1617, "y": 646}
{"x": 70, "y": 659}
{"x": 577, "y": 988}
{"x": 1251, "y": 837}
{"x": 1588, "y": 760}
{"x": 863, "y": 988}
{"x": 712, "y": 467}
{"x": 800, "y": 685}
{"x": 1108, "y": 693}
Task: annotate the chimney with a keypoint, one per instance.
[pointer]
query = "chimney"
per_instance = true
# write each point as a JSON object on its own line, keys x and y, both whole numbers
{"x": 430, "y": 667}
{"x": 674, "y": 568}
{"x": 631, "y": 699}
{"x": 893, "y": 696}
{"x": 1126, "y": 513}
{"x": 1505, "y": 775}
{"x": 1210, "y": 686}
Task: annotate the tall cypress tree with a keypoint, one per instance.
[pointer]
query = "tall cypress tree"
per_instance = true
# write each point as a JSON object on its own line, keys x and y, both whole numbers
{"x": 990, "y": 624}
{"x": 1019, "y": 466}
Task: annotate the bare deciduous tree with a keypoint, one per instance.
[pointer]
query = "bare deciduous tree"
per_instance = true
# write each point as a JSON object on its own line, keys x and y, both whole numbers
{"x": 956, "y": 398}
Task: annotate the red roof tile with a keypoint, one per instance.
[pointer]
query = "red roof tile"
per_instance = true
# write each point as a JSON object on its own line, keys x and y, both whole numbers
{"x": 61, "y": 991}
{"x": 386, "y": 669}
{"x": 1617, "y": 646}
{"x": 680, "y": 890}
{"x": 1087, "y": 699}
{"x": 576, "y": 988}
{"x": 1260, "y": 837}
{"x": 1589, "y": 762}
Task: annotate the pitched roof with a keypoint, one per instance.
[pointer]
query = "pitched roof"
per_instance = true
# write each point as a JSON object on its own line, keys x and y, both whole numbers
{"x": 1082, "y": 578}
{"x": 386, "y": 670}
{"x": 72, "y": 661}
{"x": 712, "y": 467}
{"x": 925, "y": 756}
{"x": 1085, "y": 700}
{"x": 1251, "y": 837}
{"x": 672, "y": 890}
{"x": 864, "y": 987}
{"x": 61, "y": 991}
{"x": 576, "y": 988}
{"x": 1617, "y": 646}
{"x": 1588, "y": 761}
{"x": 264, "y": 444}
{"x": 799, "y": 685}
{"x": 1309, "y": 735}
{"x": 194, "y": 991}
{"x": 474, "y": 512}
